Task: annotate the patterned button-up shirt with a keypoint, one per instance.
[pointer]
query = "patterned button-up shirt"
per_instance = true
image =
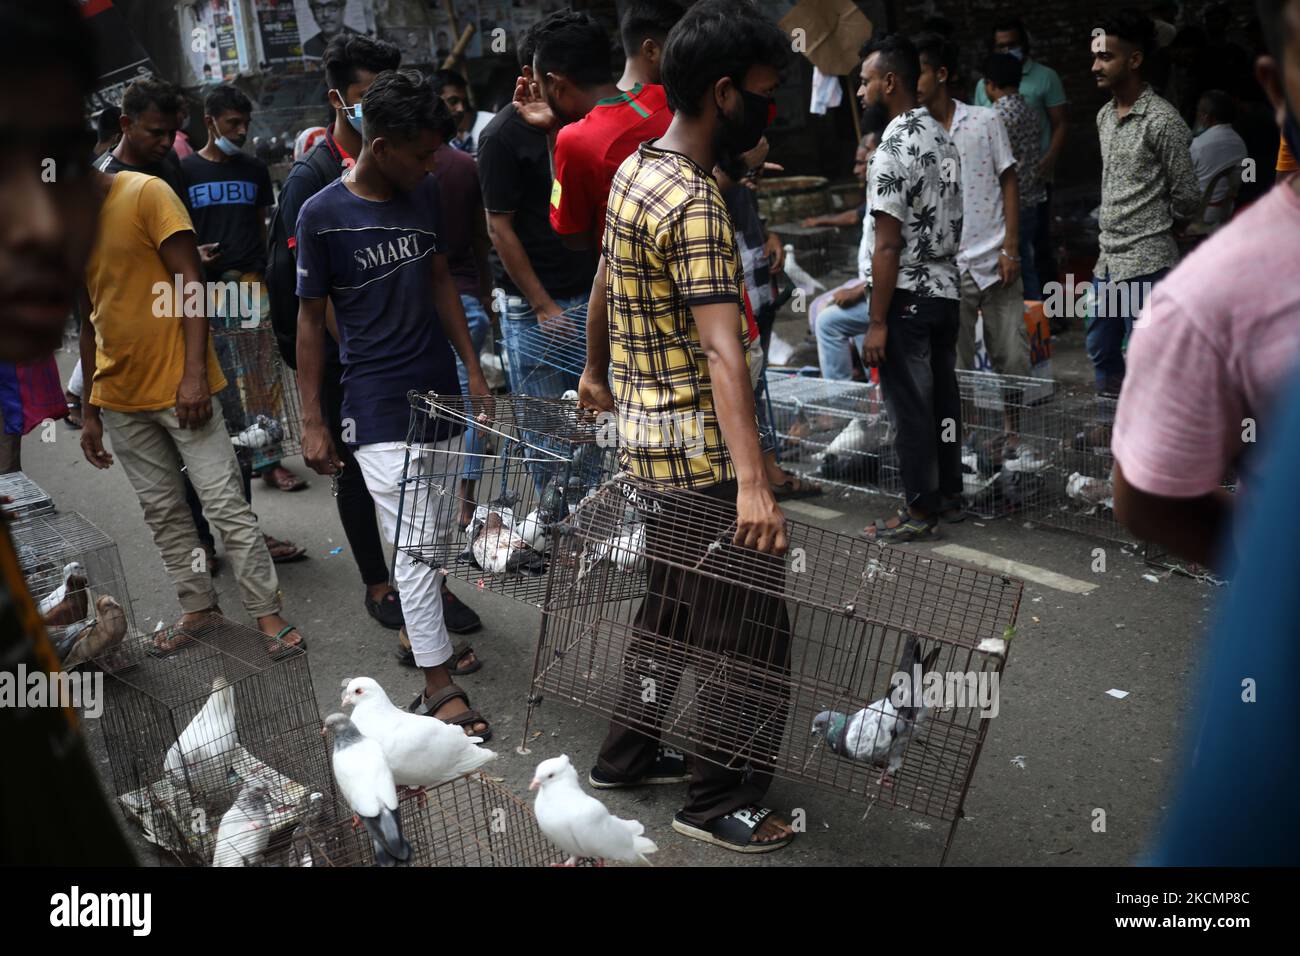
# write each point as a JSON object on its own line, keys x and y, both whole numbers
{"x": 1022, "y": 129}
{"x": 915, "y": 176}
{"x": 668, "y": 245}
{"x": 985, "y": 153}
{"x": 1147, "y": 183}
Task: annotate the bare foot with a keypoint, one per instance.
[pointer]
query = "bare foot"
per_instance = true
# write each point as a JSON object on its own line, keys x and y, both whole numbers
{"x": 772, "y": 829}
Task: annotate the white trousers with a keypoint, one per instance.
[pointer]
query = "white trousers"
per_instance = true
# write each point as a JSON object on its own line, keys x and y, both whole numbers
{"x": 418, "y": 584}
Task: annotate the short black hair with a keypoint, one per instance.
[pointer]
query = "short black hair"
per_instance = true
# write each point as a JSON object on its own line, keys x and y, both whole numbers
{"x": 38, "y": 34}
{"x": 151, "y": 91}
{"x": 937, "y": 52}
{"x": 108, "y": 123}
{"x": 897, "y": 55}
{"x": 1006, "y": 23}
{"x": 224, "y": 99}
{"x": 648, "y": 20}
{"x": 1003, "y": 70}
{"x": 1220, "y": 106}
{"x": 718, "y": 38}
{"x": 401, "y": 104}
{"x": 526, "y": 46}
{"x": 1133, "y": 27}
{"x": 443, "y": 78}
{"x": 347, "y": 53}
{"x": 575, "y": 46}
{"x": 1275, "y": 27}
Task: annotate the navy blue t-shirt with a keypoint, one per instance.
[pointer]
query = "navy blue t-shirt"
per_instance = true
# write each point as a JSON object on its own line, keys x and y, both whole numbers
{"x": 373, "y": 260}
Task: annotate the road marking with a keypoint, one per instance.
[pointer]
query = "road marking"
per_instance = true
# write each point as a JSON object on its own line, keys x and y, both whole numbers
{"x": 1029, "y": 572}
{"x": 812, "y": 511}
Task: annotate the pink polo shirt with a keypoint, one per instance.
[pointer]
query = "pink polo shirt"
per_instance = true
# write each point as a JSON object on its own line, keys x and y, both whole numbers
{"x": 1217, "y": 343}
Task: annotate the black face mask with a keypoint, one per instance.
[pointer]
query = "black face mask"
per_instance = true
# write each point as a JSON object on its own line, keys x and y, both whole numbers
{"x": 742, "y": 135}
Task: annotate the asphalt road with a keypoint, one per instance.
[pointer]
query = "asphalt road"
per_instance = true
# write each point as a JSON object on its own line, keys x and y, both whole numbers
{"x": 1060, "y": 748}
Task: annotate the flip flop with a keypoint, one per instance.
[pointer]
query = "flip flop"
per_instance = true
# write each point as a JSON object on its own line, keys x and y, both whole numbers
{"x": 794, "y": 488}
{"x": 284, "y": 481}
{"x": 279, "y": 650}
{"x": 288, "y": 551}
{"x": 734, "y": 831}
{"x": 907, "y": 529}
{"x": 174, "y": 638}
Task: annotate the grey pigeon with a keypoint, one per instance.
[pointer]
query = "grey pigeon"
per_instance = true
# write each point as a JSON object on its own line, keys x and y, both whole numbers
{"x": 367, "y": 784}
{"x": 246, "y": 827}
{"x": 879, "y": 733}
{"x": 312, "y": 819}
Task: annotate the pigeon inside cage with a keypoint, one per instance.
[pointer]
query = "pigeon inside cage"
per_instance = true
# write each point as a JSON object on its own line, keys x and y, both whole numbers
{"x": 781, "y": 665}
{"x": 469, "y": 821}
{"x": 491, "y": 517}
{"x": 216, "y": 748}
{"x": 260, "y": 401}
{"x": 76, "y": 578}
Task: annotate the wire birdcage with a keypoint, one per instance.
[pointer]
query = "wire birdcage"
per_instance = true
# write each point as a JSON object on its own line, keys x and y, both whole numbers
{"x": 812, "y": 244}
{"x": 734, "y": 655}
{"x": 187, "y": 733}
{"x": 539, "y": 457}
{"x": 76, "y": 578}
{"x": 1081, "y": 495}
{"x": 559, "y": 345}
{"x": 469, "y": 821}
{"x": 1009, "y": 443}
{"x": 260, "y": 400}
{"x": 26, "y": 497}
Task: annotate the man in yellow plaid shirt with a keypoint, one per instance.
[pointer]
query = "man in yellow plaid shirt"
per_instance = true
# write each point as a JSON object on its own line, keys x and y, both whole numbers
{"x": 677, "y": 337}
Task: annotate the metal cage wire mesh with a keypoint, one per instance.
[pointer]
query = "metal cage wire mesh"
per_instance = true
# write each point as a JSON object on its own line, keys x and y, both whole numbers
{"x": 560, "y": 344}
{"x": 48, "y": 546}
{"x": 26, "y": 497}
{"x": 260, "y": 400}
{"x": 469, "y": 821}
{"x": 178, "y": 793}
{"x": 532, "y": 461}
{"x": 731, "y": 653}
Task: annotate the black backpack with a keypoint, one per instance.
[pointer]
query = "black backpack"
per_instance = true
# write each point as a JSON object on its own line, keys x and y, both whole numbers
{"x": 281, "y": 265}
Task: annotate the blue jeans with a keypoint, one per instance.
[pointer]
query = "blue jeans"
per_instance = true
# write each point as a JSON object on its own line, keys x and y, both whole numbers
{"x": 528, "y": 376}
{"x": 479, "y": 327}
{"x": 1110, "y": 322}
{"x": 835, "y": 327}
{"x": 1028, "y": 268}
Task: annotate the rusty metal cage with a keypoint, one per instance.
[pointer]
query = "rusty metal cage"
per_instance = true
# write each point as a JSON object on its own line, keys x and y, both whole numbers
{"x": 76, "y": 578}
{"x": 26, "y": 497}
{"x": 469, "y": 821}
{"x": 734, "y": 655}
{"x": 185, "y": 733}
{"x": 1009, "y": 443}
{"x": 485, "y": 487}
{"x": 260, "y": 400}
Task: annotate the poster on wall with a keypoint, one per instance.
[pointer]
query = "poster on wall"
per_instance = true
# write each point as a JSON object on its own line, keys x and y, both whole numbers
{"x": 121, "y": 57}
{"x": 444, "y": 37}
{"x": 320, "y": 20}
{"x": 227, "y": 34}
{"x": 277, "y": 25}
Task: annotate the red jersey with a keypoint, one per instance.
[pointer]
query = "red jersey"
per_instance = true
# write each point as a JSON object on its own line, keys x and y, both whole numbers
{"x": 589, "y": 152}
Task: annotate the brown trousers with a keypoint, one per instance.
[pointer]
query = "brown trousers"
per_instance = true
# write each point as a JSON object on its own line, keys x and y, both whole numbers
{"x": 741, "y": 695}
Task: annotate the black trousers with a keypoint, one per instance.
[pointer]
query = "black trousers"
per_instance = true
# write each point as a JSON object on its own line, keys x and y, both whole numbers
{"x": 356, "y": 507}
{"x": 919, "y": 381}
{"x": 740, "y": 702}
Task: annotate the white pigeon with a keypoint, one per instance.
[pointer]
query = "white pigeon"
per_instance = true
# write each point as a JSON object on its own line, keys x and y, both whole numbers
{"x": 852, "y": 437}
{"x": 367, "y": 785}
{"x": 532, "y": 531}
{"x": 797, "y": 274}
{"x": 246, "y": 828}
{"x": 1094, "y": 491}
{"x": 207, "y": 742}
{"x": 51, "y": 600}
{"x": 497, "y": 549}
{"x": 879, "y": 733}
{"x": 626, "y": 550}
{"x": 422, "y": 751}
{"x": 581, "y": 825}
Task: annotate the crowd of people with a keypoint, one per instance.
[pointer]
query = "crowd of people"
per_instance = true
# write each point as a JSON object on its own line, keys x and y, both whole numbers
{"x": 415, "y": 221}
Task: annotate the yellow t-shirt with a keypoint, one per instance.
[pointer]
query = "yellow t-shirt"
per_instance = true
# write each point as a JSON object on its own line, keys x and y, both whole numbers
{"x": 139, "y": 357}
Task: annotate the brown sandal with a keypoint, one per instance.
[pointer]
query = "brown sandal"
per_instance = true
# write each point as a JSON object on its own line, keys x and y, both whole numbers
{"x": 459, "y": 651}
{"x": 169, "y": 640}
{"x": 283, "y": 479}
{"x": 428, "y": 707}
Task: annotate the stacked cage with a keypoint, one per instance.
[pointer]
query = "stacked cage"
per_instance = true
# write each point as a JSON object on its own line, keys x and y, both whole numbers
{"x": 487, "y": 486}
{"x": 215, "y": 748}
{"x": 469, "y": 821}
{"x": 76, "y": 578}
{"x": 26, "y": 497}
{"x": 783, "y": 665}
{"x": 260, "y": 400}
